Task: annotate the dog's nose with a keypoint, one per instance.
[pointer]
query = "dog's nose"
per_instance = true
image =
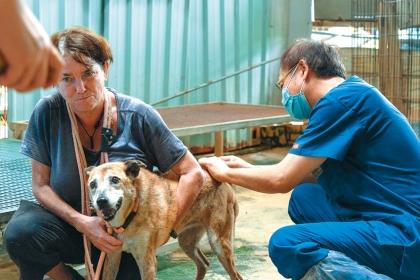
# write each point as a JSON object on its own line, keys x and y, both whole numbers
{"x": 102, "y": 202}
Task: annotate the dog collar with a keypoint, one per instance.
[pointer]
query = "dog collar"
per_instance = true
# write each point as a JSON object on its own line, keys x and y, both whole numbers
{"x": 127, "y": 222}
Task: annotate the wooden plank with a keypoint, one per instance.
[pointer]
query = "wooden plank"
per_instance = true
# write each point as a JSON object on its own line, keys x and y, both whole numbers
{"x": 218, "y": 143}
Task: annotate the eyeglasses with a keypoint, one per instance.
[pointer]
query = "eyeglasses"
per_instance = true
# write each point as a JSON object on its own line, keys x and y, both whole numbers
{"x": 281, "y": 80}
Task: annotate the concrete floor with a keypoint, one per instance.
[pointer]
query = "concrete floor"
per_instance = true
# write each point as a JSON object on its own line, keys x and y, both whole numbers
{"x": 259, "y": 216}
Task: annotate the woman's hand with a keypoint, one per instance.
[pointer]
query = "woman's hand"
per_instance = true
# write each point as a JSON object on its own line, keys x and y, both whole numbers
{"x": 95, "y": 230}
{"x": 32, "y": 60}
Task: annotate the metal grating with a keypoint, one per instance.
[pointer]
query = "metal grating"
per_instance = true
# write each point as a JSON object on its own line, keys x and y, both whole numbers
{"x": 15, "y": 174}
{"x": 387, "y": 51}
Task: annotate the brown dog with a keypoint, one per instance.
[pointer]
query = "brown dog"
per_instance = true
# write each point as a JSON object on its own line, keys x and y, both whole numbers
{"x": 118, "y": 188}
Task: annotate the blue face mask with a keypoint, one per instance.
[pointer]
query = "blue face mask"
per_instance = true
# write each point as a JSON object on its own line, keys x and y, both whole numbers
{"x": 296, "y": 105}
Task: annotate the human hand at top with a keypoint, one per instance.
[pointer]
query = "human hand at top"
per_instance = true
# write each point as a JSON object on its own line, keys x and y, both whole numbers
{"x": 216, "y": 167}
{"x": 235, "y": 162}
{"x": 31, "y": 59}
{"x": 94, "y": 229}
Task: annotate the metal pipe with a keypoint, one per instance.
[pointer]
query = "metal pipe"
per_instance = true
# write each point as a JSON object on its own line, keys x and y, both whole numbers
{"x": 213, "y": 82}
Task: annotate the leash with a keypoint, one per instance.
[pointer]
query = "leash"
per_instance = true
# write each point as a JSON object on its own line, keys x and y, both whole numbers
{"x": 101, "y": 260}
{"x": 107, "y": 138}
{"x": 117, "y": 230}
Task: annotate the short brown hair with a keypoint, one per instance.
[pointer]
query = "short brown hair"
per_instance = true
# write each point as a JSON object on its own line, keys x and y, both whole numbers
{"x": 81, "y": 43}
{"x": 322, "y": 58}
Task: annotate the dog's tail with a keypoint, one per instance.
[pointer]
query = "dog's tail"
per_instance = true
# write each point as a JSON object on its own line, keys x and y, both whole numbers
{"x": 236, "y": 208}
{"x": 236, "y": 212}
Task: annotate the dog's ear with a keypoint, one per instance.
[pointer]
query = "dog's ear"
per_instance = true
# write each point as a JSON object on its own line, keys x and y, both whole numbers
{"x": 133, "y": 168}
{"x": 88, "y": 170}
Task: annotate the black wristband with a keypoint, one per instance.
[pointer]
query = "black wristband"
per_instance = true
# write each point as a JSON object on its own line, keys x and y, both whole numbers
{"x": 173, "y": 234}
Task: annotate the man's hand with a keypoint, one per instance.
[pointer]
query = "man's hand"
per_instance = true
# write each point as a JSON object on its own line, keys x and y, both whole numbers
{"x": 235, "y": 162}
{"x": 219, "y": 167}
{"x": 216, "y": 167}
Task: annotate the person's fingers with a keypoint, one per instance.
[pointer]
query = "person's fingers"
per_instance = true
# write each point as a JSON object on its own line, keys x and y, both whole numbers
{"x": 106, "y": 247}
{"x": 3, "y": 63}
{"x": 109, "y": 243}
{"x": 232, "y": 164}
{"x": 36, "y": 72}
{"x": 55, "y": 65}
{"x": 11, "y": 78}
{"x": 21, "y": 77}
{"x": 203, "y": 166}
{"x": 109, "y": 239}
{"x": 44, "y": 72}
{"x": 32, "y": 60}
{"x": 226, "y": 158}
{"x": 40, "y": 75}
{"x": 102, "y": 223}
{"x": 101, "y": 238}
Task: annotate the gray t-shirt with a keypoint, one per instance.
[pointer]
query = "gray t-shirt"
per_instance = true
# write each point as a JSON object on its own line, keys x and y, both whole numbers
{"x": 141, "y": 134}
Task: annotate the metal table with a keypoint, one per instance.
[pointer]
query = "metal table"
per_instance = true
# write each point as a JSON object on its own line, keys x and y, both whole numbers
{"x": 15, "y": 168}
{"x": 217, "y": 117}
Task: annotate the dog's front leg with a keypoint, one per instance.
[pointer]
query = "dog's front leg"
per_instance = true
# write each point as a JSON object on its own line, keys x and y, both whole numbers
{"x": 146, "y": 260}
{"x": 112, "y": 265}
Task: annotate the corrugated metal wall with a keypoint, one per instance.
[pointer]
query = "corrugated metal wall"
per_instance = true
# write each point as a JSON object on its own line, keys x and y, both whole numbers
{"x": 163, "y": 47}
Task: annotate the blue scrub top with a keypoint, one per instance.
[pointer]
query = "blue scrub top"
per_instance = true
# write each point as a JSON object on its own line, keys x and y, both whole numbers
{"x": 373, "y": 168}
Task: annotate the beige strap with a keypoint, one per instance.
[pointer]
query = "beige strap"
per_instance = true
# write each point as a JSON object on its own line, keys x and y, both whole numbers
{"x": 81, "y": 163}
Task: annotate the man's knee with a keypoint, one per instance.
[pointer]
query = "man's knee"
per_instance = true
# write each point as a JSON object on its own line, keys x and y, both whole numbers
{"x": 279, "y": 249}
{"x": 291, "y": 255}
{"x": 308, "y": 204}
{"x": 283, "y": 237}
{"x": 298, "y": 201}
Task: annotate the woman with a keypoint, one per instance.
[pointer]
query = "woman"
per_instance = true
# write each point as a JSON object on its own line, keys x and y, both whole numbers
{"x": 354, "y": 173}
{"x": 40, "y": 239}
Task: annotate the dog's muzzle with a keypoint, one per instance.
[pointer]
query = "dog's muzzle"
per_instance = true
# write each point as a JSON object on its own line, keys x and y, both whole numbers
{"x": 108, "y": 212}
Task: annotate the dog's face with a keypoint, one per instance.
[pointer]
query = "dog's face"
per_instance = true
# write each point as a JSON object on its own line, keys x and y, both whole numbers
{"x": 110, "y": 187}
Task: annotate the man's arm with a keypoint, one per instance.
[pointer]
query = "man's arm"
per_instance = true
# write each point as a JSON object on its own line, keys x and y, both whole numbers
{"x": 278, "y": 178}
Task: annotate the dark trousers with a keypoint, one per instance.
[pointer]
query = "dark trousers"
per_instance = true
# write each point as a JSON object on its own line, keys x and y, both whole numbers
{"x": 296, "y": 248}
{"x": 37, "y": 240}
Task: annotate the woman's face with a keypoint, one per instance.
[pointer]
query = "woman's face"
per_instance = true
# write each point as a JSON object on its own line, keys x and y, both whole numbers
{"x": 82, "y": 87}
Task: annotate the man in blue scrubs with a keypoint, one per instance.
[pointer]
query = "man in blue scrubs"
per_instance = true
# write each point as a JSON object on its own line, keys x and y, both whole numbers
{"x": 354, "y": 172}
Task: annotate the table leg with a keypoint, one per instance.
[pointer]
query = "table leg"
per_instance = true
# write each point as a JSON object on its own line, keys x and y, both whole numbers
{"x": 218, "y": 143}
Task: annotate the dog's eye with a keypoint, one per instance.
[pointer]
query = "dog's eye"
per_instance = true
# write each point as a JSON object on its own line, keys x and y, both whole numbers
{"x": 92, "y": 185}
{"x": 115, "y": 180}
